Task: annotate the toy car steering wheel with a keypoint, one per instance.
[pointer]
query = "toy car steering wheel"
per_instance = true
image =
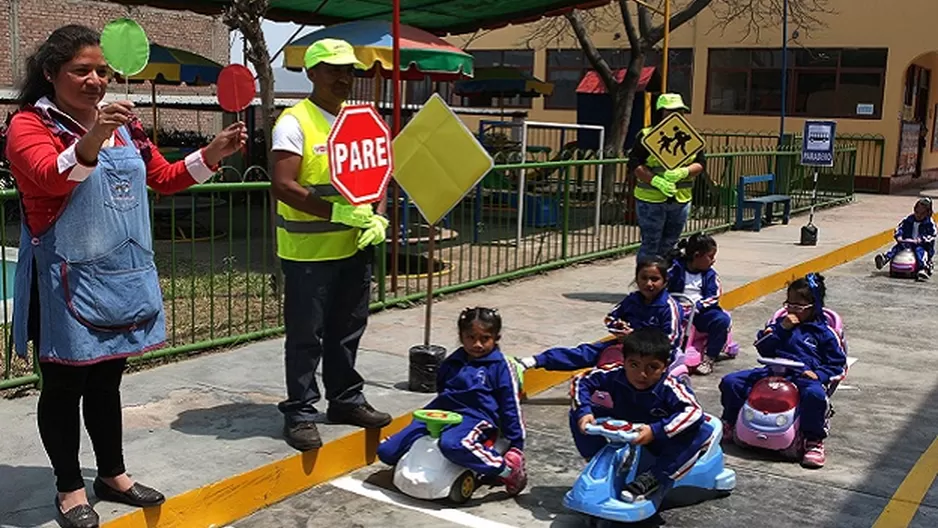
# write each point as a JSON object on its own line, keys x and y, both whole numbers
{"x": 616, "y": 431}
{"x": 437, "y": 420}
{"x": 780, "y": 362}
{"x": 780, "y": 365}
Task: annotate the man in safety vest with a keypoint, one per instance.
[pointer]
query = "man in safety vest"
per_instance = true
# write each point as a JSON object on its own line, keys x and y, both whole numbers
{"x": 662, "y": 197}
{"x": 324, "y": 246}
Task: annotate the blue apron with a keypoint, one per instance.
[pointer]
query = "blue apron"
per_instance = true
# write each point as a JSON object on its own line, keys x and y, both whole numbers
{"x": 98, "y": 288}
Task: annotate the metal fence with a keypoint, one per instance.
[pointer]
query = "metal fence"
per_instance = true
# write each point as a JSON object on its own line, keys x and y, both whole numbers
{"x": 220, "y": 277}
{"x": 871, "y": 148}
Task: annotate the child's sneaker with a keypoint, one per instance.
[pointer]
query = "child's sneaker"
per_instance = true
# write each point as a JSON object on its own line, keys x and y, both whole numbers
{"x": 706, "y": 366}
{"x": 643, "y": 486}
{"x": 516, "y": 481}
{"x": 922, "y": 275}
{"x": 813, "y": 454}
{"x": 880, "y": 261}
{"x": 732, "y": 350}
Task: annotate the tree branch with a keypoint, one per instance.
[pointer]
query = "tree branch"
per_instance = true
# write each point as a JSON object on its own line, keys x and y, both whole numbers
{"x": 644, "y": 20}
{"x": 247, "y": 17}
{"x": 635, "y": 42}
{"x": 589, "y": 49}
{"x": 756, "y": 15}
{"x": 654, "y": 35}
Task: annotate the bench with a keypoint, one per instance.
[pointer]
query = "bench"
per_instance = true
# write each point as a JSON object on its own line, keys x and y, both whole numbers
{"x": 759, "y": 204}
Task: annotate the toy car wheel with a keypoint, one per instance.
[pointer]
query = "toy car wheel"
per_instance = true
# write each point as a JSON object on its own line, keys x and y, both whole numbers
{"x": 795, "y": 451}
{"x": 463, "y": 488}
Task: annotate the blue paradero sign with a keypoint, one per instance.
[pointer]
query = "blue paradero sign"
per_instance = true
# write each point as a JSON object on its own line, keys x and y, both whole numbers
{"x": 817, "y": 144}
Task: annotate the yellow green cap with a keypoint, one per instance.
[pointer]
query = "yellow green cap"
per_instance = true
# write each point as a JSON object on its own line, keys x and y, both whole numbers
{"x": 331, "y": 51}
{"x": 671, "y": 101}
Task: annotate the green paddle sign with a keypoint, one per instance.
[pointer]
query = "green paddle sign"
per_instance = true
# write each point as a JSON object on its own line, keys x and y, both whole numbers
{"x": 125, "y": 47}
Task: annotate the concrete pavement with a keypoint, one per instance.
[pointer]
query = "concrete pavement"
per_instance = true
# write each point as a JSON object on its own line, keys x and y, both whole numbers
{"x": 885, "y": 419}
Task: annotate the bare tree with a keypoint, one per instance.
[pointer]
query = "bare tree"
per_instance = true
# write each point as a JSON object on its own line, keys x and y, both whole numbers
{"x": 644, "y": 34}
{"x": 246, "y": 16}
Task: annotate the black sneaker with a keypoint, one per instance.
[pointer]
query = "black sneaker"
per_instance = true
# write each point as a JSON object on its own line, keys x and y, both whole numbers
{"x": 643, "y": 486}
{"x": 363, "y": 415}
{"x": 880, "y": 261}
{"x": 303, "y": 436}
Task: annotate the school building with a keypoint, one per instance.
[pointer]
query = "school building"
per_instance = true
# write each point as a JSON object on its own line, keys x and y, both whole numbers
{"x": 870, "y": 69}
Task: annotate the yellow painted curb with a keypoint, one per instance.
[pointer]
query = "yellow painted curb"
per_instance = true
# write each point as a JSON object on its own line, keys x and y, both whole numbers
{"x": 217, "y": 504}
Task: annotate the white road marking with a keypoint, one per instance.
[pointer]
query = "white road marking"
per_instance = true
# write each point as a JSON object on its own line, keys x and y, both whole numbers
{"x": 850, "y": 362}
{"x": 428, "y": 508}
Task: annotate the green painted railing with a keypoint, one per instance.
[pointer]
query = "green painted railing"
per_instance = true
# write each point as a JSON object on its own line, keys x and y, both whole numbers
{"x": 220, "y": 276}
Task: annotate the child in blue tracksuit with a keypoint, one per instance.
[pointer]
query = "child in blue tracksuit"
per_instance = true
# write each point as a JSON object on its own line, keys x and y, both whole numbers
{"x": 642, "y": 392}
{"x": 692, "y": 275}
{"x": 801, "y": 335}
{"x": 478, "y": 382}
{"x": 650, "y": 306}
{"x": 916, "y": 231}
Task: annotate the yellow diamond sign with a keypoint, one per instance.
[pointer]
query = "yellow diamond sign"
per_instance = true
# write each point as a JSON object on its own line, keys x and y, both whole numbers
{"x": 674, "y": 142}
{"x": 437, "y": 160}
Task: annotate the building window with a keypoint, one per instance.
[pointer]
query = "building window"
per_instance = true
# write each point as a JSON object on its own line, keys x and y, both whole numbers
{"x": 418, "y": 92}
{"x": 566, "y": 68}
{"x": 522, "y": 60}
{"x": 822, "y": 82}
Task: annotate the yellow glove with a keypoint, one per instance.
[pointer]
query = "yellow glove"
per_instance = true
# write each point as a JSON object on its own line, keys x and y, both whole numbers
{"x": 666, "y": 187}
{"x": 676, "y": 175}
{"x": 375, "y": 233}
{"x": 351, "y": 215}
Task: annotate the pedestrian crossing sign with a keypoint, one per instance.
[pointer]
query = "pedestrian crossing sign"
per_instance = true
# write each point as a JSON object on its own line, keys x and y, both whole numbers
{"x": 674, "y": 142}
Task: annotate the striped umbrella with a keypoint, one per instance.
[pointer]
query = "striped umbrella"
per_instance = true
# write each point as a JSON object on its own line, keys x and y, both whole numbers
{"x": 422, "y": 54}
{"x": 176, "y": 66}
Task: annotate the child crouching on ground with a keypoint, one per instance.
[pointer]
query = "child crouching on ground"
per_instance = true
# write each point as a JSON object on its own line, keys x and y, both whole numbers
{"x": 642, "y": 392}
{"x": 479, "y": 383}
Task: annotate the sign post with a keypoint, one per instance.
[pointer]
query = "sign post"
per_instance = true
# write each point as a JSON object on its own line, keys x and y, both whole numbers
{"x": 436, "y": 142}
{"x": 817, "y": 150}
{"x": 361, "y": 159}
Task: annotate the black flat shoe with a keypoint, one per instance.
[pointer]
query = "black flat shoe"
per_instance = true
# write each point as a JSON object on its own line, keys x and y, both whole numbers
{"x": 138, "y": 495}
{"x": 82, "y": 516}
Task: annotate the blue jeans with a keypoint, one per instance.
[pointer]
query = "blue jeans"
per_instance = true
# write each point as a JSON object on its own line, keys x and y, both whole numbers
{"x": 661, "y": 225}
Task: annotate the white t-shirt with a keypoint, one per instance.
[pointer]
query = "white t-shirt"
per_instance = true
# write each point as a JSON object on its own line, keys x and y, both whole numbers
{"x": 915, "y": 229}
{"x": 693, "y": 286}
{"x": 288, "y": 135}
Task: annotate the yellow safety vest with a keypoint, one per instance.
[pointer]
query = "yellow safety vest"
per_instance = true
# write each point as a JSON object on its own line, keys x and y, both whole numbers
{"x": 302, "y": 236}
{"x": 647, "y": 193}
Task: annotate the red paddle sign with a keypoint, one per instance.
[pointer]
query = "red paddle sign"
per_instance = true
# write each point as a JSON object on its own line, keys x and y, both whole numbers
{"x": 236, "y": 88}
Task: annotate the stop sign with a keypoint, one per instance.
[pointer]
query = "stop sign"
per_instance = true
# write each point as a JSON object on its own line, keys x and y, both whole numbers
{"x": 360, "y": 154}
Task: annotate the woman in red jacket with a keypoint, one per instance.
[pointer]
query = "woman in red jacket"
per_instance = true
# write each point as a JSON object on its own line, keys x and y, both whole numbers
{"x": 86, "y": 291}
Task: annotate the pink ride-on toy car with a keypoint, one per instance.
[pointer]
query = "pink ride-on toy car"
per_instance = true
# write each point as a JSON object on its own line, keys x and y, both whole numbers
{"x": 904, "y": 263}
{"x": 769, "y": 419}
{"x": 695, "y": 343}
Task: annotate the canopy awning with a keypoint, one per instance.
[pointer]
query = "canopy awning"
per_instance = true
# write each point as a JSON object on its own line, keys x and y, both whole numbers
{"x": 592, "y": 83}
{"x": 436, "y": 16}
{"x": 503, "y": 81}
